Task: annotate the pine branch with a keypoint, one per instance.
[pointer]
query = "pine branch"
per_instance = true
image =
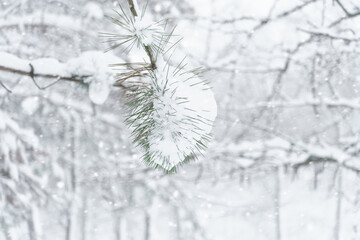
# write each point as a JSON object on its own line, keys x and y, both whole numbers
{"x": 168, "y": 123}
{"x": 146, "y": 47}
{"x": 132, "y": 8}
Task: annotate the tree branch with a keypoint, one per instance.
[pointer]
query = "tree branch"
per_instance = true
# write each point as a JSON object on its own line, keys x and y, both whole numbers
{"x": 146, "y": 47}
{"x": 54, "y": 70}
{"x": 79, "y": 79}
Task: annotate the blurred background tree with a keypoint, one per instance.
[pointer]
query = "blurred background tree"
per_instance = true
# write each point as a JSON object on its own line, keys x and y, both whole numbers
{"x": 284, "y": 161}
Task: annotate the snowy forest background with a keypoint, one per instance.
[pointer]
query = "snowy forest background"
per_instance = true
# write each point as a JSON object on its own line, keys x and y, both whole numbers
{"x": 284, "y": 160}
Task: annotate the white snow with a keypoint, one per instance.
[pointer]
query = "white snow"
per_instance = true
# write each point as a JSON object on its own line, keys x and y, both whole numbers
{"x": 11, "y": 61}
{"x": 30, "y": 105}
{"x": 41, "y": 18}
{"x": 145, "y": 30}
{"x": 185, "y": 114}
{"x": 94, "y": 64}
{"x": 99, "y": 91}
{"x": 48, "y": 66}
{"x": 13, "y": 138}
{"x": 93, "y": 10}
{"x": 271, "y": 120}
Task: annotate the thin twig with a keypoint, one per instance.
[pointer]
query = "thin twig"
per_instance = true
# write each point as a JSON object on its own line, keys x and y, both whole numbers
{"x": 36, "y": 84}
{"x": 5, "y": 87}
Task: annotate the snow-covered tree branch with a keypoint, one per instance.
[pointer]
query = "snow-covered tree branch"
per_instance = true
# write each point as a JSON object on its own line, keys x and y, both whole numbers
{"x": 96, "y": 94}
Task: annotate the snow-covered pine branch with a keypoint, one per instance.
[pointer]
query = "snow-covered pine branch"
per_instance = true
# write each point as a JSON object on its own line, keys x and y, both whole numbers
{"x": 172, "y": 110}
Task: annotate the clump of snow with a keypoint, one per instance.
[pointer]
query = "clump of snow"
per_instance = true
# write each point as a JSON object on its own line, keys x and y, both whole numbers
{"x": 93, "y": 64}
{"x": 99, "y": 92}
{"x": 30, "y": 105}
{"x": 145, "y": 31}
{"x": 93, "y": 10}
{"x": 184, "y": 113}
{"x": 10, "y": 61}
{"x": 96, "y": 65}
{"x": 49, "y": 66}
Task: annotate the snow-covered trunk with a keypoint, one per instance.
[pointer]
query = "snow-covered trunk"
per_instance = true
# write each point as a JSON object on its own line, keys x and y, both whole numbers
{"x": 337, "y": 227}
{"x": 117, "y": 224}
{"x": 128, "y": 221}
{"x": 277, "y": 202}
{"x": 72, "y": 213}
{"x": 178, "y": 223}
{"x": 192, "y": 230}
{"x": 31, "y": 229}
{"x": 117, "y": 213}
{"x": 83, "y": 213}
{"x": 147, "y": 221}
{"x": 71, "y": 222}
{"x": 67, "y": 228}
{"x": 33, "y": 224}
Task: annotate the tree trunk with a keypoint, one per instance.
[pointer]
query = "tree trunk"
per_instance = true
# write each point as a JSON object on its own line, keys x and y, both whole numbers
{"x": 32, "y": 228}
{"x": 83, "y": 216}
{"x": 70, "y": 223}
{"x": 277, "y": 199}
{"x": 147, "y": 225}
{"x": 117, "y": 225}
{"x": 177, "y": 222}
{"x": 71, "y": 211}
{"x": 337, "y": 227}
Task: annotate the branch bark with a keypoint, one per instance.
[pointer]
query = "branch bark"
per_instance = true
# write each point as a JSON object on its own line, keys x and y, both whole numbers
{"x": 79, "y": 79}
